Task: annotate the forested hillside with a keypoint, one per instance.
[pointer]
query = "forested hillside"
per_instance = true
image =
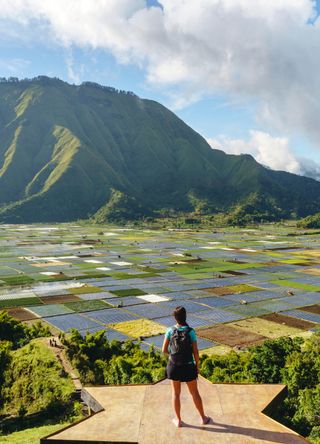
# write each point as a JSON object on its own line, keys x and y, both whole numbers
{"x": 67, "y": 151}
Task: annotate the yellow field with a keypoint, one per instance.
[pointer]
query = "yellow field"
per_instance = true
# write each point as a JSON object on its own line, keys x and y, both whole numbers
{"x": 266, "y": 328}
{"x": 139, "y": 327}
{"x": 313, "y": 271}
{"x": 218, "y": 350}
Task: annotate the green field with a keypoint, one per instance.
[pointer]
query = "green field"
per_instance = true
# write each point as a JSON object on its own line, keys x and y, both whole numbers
{"x": 32, "y": 435}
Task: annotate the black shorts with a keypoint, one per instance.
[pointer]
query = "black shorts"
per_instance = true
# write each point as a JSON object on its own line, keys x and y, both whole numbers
{"x": 182, "y": 373}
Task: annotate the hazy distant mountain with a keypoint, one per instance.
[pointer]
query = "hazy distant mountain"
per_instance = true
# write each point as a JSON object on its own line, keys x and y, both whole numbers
{"x": 67, "y": 151}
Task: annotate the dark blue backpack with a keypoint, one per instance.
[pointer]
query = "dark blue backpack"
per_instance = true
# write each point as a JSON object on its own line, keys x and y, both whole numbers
{"x": 180, "y": 346}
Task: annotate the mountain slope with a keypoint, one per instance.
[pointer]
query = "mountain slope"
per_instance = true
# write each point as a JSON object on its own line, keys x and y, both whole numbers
{"x": 65, "y": 150}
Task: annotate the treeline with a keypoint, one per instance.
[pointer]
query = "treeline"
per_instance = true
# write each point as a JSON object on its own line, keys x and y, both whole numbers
{"x": 45, "y": 80}
{"x": 294, "y": 362}
{"x": 100, "y": 361}
{"x": 108, "y": 88}
{"x": 41, "y": 79}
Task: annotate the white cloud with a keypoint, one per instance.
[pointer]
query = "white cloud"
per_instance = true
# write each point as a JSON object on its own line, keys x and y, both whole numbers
{"x": 75, "y": 74}
{"x": 270, "y": 151}
{"x": 309, "y": 168}
{"x": 261, "y": 50}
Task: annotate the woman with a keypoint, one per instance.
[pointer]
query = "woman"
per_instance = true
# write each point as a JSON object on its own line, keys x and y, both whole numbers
{"x": 180, "y": 342}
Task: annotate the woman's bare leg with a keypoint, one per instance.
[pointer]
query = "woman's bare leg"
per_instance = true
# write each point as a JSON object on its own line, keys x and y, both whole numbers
{"x": 193, "y": 389}
{"x": 176, "y": 390}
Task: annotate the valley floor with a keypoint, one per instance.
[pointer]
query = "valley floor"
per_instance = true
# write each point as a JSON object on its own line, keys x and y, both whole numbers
{"x": 239, "y": 286}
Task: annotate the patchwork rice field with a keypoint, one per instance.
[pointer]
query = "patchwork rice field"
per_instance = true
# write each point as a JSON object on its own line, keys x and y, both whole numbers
{"x": 240, "y": 287}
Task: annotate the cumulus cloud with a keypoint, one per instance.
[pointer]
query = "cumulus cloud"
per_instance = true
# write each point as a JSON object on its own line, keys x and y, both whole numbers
{"x": 261, "y": 50}
{"x": 270, "y": 151}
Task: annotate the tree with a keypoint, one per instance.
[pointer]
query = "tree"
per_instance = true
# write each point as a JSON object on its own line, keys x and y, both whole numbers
{"x": 12, "y": 330}
{"x": 5, "y": 360}
{"x": 268, "y": 360}
{"x": 18, "y": 333}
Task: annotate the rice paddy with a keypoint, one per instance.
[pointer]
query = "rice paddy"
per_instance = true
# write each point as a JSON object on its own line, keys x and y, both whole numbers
{"x": 239, "y": 286}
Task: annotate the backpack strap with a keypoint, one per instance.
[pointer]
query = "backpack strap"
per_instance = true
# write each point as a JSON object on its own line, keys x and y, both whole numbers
{"x": 173, "y": 329}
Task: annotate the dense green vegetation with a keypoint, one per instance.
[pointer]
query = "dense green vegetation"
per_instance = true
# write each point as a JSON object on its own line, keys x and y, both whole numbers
{"x": 17, "y": 334}
{"x": 102, "y": 362}
{"x": 310, "y": 221}
{"x": 67, "y": 151}
{"x": 120, "y": 208}
{"x": 257, "y": 207}
{"x": 34, "y": 389}
{"x": 294, "y": 362}
{"x": 35, "y": 382}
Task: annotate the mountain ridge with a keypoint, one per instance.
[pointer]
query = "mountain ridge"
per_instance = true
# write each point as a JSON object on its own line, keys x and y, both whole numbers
{"x": 65, "y": 149}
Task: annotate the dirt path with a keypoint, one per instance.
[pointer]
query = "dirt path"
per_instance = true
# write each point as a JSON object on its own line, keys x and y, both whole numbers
{"x": 59, "y": 351}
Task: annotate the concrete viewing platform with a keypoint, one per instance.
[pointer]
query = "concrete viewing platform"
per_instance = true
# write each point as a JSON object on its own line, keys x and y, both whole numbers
{"x": 143, "y": 414}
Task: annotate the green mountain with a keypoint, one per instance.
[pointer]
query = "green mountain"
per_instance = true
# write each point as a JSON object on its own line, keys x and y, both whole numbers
{"x": 67, "y": 152}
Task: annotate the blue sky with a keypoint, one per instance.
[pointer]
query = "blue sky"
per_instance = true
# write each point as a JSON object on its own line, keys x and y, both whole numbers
{"x": 246, "y": 79}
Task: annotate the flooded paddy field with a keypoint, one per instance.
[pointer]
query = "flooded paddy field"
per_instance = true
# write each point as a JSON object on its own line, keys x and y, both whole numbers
{"x": 240, "y": 287}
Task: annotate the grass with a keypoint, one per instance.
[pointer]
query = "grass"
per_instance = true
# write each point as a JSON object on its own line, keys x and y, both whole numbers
{"x": 147, "y": 269}
{"x": 243, "y": 288}
{"x": 140, "y": 327}
{"x": 92, "y": 274}
{"x": 217, "y": 350}
{"x": 128, "y": 292}
{"x": 306, "y": 287}
{"x": 122, "y": 275}
{"x": 248, "y": 310}
{"x": 21, "y": 302}
{"x": 187, "y": 269}
{"x": 32, "y": 435}
{"x": 17, "y": 280}
{"x": 303, "y": 334}
{"x": 232, "y": 289}
{"x": 87, "y": 305}
{"x": 271, "y": 330}
{"x": 85, "y": 289}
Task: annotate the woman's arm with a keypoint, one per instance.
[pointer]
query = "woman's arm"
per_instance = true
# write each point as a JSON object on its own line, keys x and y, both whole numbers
{"x": 165, "y": 346}
{"x": 195, "y": 352}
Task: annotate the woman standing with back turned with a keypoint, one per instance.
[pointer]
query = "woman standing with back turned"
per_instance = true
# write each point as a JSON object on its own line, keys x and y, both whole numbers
{"x": 183, "y": 365}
